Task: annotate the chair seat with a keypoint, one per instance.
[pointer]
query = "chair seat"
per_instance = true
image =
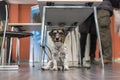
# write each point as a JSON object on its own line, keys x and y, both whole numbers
{"x": 16, "y": 34}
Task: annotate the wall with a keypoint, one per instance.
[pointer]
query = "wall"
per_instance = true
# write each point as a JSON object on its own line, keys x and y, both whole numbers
{"x": 116, "y": 41}
{"x": 19, "y": 13}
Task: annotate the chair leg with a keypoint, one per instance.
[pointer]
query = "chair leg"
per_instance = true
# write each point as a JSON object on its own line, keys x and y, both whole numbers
{"x": 10, "y": 51}
{"x": 33, "y": 51}
{"x": 18, "y": 51}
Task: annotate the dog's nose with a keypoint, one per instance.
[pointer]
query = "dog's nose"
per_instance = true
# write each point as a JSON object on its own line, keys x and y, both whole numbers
{"x": 57, "y": 39}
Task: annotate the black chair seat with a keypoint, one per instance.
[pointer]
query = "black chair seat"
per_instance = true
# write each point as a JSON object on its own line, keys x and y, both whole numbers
{"x": 16, "y": 34}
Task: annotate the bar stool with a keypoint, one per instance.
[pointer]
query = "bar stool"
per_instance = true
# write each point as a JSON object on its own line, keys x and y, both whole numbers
{"x": 6, "y": 62}
{"x": 14, "y": 34}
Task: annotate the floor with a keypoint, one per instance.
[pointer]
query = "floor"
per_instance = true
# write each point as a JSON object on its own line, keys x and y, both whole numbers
{"x": 27, "y": 72}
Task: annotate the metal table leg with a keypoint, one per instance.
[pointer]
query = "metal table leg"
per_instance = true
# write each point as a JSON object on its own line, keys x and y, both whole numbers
{"x": 42, "y": 35}
{"x": 98, "y": 33}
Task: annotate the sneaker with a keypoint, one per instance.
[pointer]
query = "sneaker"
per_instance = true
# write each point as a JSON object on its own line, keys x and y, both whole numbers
{"x": 95, "y": 62}
{"x": 106, "y": 61}
{"x": 86, "y": 63}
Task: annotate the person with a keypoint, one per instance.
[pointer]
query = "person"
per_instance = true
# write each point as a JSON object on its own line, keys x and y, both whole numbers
{"x": 104, "y": 12}
{"x": 88, "y": 27}
{"x": 115, "y": 3}
{"x": 116, "y": 12}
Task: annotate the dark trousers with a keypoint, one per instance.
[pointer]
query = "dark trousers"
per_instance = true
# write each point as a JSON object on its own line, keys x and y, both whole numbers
{"x": 105, "y": 34}
{"x": 83, "y": 40}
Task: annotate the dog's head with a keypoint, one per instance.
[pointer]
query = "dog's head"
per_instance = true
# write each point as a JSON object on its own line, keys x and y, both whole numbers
{"x": 58, "y": 35}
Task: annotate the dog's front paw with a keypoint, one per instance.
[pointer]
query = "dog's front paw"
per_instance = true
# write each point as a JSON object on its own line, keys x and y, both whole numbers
{"x": 54, "y": 68}
{"x": 45, "y": 68}
{"x": 66, "y": 68}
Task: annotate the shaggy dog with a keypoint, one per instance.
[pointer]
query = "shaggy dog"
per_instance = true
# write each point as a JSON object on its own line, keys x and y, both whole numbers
{"x": 59, "y": 51}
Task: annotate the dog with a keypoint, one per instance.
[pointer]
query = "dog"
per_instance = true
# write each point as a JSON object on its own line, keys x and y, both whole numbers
{"x": 59, "y": 51}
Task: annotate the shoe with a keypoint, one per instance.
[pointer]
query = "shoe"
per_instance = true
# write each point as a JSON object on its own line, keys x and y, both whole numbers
{"x": 95, "y": 62}
{"x": 107, "y": 58}
{"x": 106, "y": 61}
{"x": 86, "y": 63}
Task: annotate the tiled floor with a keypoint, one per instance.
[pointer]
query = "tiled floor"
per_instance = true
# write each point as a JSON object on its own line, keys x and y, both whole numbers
{"x": 27, "y": 72}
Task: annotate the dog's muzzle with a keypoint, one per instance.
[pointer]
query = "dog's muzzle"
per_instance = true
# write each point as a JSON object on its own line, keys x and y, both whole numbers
{"x": 57, "y": 40}
{"x": 57, "y": 37}
{"x": 58, "y": 44}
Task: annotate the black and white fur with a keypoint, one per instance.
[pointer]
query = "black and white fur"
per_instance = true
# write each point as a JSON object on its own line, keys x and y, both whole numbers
{"x": 59, "y": 51}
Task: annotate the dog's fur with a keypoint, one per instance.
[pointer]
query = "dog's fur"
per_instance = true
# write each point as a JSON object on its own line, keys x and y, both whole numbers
{"x": 59, "y": 51}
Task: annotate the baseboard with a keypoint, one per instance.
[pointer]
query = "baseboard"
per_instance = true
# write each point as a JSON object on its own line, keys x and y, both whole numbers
{"x": 117, "y": 60}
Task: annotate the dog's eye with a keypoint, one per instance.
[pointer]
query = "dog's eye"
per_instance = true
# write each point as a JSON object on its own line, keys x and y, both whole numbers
{"x": 54, "y": 33}
{"x": 61, "y": 33}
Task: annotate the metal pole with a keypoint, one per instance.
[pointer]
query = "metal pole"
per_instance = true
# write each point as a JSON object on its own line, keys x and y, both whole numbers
{"x": 79, "y": 50}
{"x": 42, "y": 34}
{"x": 6, "y": 25}
{"x": 10, "y": 50}
{"x": 33, "y": 50}
{"x": 98, "y": 33}
{"x": 18, "y": 51}
{"x": 44, "y": 43}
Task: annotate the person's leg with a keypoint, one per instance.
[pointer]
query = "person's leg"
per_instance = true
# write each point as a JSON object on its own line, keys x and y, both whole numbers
{"x": 83, "y": 45}
{"x": 1, "y": 25}
{"x": 93, "y": 41}
{"x": 105, "y": 34}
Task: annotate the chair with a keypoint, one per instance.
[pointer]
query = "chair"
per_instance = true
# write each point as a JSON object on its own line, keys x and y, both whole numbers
{"x": 5, "y": 60}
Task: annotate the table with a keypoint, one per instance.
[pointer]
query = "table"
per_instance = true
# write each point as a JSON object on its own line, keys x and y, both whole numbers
{"x": 26, "y": 26}
{"x": 69, "y": 12}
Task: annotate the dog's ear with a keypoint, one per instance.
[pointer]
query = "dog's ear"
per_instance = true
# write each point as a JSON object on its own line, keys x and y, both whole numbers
{"x": 50, "y": 33}
{"x": 65, "y": 32}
